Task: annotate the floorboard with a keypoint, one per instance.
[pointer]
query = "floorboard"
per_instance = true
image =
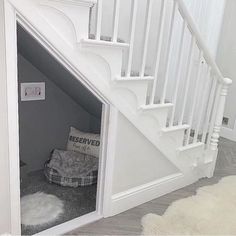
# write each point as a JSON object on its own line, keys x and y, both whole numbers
{"x": 128, "y": 223}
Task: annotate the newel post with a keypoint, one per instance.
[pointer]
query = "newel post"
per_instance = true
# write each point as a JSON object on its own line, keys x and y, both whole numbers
{"x": 219, "y": 114}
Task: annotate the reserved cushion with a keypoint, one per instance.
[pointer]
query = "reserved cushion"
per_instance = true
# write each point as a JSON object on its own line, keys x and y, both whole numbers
{"x": 86, "y": 143}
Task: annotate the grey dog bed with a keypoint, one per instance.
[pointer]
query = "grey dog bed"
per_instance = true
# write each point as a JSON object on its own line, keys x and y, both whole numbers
{"x": 72, "y": 169}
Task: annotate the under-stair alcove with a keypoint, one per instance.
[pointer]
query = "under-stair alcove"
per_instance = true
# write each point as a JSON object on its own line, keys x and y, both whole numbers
{"x": 59, "y": 124}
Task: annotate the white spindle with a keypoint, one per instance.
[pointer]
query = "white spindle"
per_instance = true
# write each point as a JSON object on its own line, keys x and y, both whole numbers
{"x": 202, "y": 106}
{"x": 195, "y": 95}
{"x": 219, "y": 114}
{"x": 99, "y": 19}
{"x": 169, "y": 53}
{"x": 116, "y": 20}
{"x": 159, "y": 47}
{"x": 132, "y": 34}
{"x": 178, "y": 72}
{"x": 214, "y": 113}
{"x": 146, "y": 35}
{"x": 209, "y": 109}
{"x": 188, "y": 76}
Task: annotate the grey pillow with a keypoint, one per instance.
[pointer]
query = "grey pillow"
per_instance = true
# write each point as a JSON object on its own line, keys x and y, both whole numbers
{"x": 86, "y": 143}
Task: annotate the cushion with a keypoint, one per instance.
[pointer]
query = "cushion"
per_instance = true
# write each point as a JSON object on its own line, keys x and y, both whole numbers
{"x": 86, "y": 143}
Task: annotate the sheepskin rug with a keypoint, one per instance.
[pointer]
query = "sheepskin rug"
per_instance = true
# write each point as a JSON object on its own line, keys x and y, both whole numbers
{"x": 212, "y": 211}
{"x": 40, "y": 208}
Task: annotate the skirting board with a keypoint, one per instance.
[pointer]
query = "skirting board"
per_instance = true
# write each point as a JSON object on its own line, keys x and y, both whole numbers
{"x": 136, "y": 196}
{"x": 228, "y": 133}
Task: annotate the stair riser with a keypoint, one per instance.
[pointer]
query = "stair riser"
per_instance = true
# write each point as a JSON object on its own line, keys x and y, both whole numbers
{"x": 177, "y": 137}
{"x": 105, "y": 59}
{"x": 160, "y": 114}
{"x": 192, "y": 156}
{"x": 131, "y": 92}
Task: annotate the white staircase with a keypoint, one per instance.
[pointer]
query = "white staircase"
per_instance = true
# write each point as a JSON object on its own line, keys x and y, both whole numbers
{"x": 186, "y": 128}
{"x": 168, "y": 86}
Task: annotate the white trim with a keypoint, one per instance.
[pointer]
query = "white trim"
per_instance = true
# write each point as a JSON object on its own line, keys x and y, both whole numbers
{"x": 229, "y": 133}
{"x": 111, "y": 147}
{"x": 102, "y": 161}
{"x": 147, "y": 192}
{"x": 71, "y": 225}
{"x": 13, "y": 127}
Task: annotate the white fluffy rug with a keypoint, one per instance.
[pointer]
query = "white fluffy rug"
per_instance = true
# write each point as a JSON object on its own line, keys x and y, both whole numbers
{"x": 40, "y": 208}
{"x": 212, "y": 211}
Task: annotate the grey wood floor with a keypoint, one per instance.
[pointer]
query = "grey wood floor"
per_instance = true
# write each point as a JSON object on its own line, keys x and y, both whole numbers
{"x": 128, "y": 223}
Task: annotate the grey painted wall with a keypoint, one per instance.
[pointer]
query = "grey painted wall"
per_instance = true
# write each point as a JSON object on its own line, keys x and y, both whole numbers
{"x": 51, "y": 68}
{"x": 44, "y": 125}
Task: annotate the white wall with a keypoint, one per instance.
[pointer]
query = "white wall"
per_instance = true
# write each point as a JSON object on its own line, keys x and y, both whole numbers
{"x": 226, "y": 58}
{"x": 4, "y": 165}
{"x": 137, "y": 161}
{"x": 208, "y": 15}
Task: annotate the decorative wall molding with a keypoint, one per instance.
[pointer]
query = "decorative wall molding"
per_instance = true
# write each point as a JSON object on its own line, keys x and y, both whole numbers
{"x": 147, "y": 192}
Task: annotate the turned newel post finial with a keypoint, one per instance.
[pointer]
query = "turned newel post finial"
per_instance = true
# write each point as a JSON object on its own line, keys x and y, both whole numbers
{"x": 220, "y": 113}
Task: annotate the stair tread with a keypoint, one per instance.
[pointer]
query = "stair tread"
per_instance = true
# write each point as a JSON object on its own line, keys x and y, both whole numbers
{"x": 175, "y": 128}
{"x": 134, "y": 78}
{"x": 190, "y": 146}
{"x": 156, "y": 106}
{"x": 96, "y": 42}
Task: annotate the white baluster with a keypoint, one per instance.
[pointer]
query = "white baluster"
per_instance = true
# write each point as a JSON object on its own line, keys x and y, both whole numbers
{"x": 209, "y": 109}
{"x": 213, "y": 113}
{"x": 147, "y": 30}
{"x": 195, "y": 94}
{"x": 219, "y": 114}
{"x": 203, "y": 102}
{"x": 178, "y": 72}
{"x": 134, "y": 8}
{"x": 159, "y": 47}
{"x": 169, "y": 53}
{"x": 188, "y": 76}
{"x": 99, "y": 19}
{"x": 116, "y": 20}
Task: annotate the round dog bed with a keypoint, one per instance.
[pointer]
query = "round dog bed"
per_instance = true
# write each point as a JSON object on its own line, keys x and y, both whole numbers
{"x": 54, "y": 177}
{"x": 72, "y": 169}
